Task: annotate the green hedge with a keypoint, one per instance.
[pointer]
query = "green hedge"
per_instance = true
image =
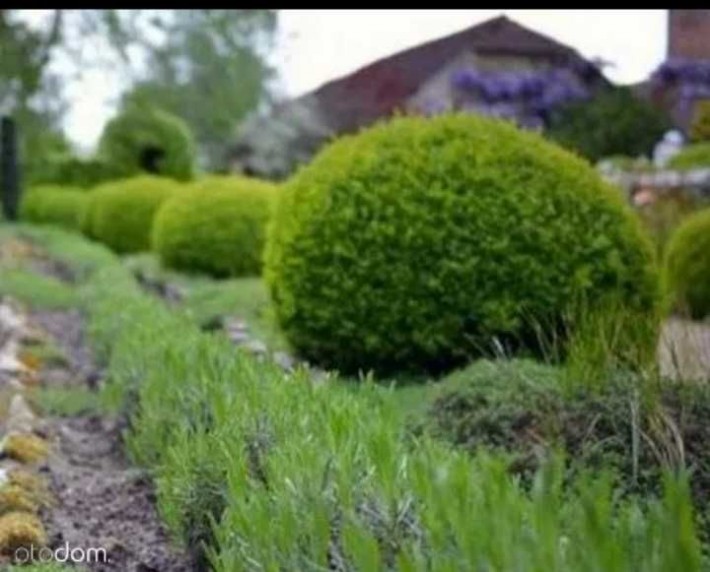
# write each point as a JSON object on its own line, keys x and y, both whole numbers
{"x": 695, "y": 156}
{"x": 120, "y": 214}
{"x": 276, "y": 473}
{"x": 422, "y": 242}
{"x": 687, "y": 268}
{"x": 68, "y": 170}
{"x": 216, "y": 227}
{"x": 148, "y": 140}
{"x": 61, "y": 206}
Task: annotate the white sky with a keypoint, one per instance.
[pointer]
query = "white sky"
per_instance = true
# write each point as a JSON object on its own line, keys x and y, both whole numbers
{"x": 318, "y": 45}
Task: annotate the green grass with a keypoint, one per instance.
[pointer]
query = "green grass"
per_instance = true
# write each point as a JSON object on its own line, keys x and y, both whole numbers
{"x": 207, "y": 298}
{"x": 36, "y": 290}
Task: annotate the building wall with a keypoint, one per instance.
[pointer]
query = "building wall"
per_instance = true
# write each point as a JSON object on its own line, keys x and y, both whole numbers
{"x": 689, "y": 34}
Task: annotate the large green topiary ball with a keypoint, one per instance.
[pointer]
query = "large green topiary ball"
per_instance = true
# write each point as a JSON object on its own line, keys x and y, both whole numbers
{"x": 120, "y": 214}
{"x": 60, "y": 206}
{"x": 687, "y": 265}
{"x": 216, "y": 227}
{"x": 696, "y": 156}
{"x": 148, "y": 140}
{"x": 415, "y": 243}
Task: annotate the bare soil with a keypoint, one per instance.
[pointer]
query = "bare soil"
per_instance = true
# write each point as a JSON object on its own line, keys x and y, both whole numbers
{"x": 102, "y": 501}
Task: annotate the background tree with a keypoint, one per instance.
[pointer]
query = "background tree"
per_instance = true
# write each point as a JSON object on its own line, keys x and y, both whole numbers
{"x": 25, "y": 84}
{"x": 615, "y": 122}
{"x": 211, "y": 71}
{"x": 208, "y": 67}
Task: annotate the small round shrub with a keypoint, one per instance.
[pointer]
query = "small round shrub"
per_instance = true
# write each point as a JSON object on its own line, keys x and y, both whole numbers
{"x": 217, "y": 227}
{"x": 687, "y": 265}
{"x": 61, "y": 206}
{"x": 120, "y": 214}
{"x": 695, "y": 156}
{"x": 416, "y": 243}
{"x": 147, "y": 140}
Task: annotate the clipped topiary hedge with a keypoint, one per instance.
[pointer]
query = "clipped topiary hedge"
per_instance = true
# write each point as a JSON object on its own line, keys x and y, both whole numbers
{"x": 415, "y": 244}
{"x": 148, "y": 140}
{"x": 61, "y": 206}
{"x": 120, "y": 214}
{"x": 216, "y": 227}
{"x": 75, "y": 172}
{"x": 687, "y": 265}
{"x": 695, "y": 156}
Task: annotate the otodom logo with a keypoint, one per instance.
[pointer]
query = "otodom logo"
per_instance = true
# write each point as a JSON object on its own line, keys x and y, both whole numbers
{"x": 66, "y": 554}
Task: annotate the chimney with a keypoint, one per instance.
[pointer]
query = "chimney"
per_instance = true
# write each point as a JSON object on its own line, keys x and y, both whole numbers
{"x": 689, "y": 34}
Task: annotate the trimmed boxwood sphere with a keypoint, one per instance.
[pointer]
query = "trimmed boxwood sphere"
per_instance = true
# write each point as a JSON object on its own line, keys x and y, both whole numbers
{"x": 687, "y": 265}
{"x": 120, "y": 214}
{"x": 61, "y": 206}
{"x": 148, "y": 140}
{"x": 217, "y": 227}
{"x": 414, "y": 244}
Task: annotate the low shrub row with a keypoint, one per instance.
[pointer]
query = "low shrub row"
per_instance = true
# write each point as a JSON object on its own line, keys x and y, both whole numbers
{"x": 120, "y": 214}
{"x": 268, "y": 471}
{"x": 60, "y": 206}
{"x": 216, "y": 227}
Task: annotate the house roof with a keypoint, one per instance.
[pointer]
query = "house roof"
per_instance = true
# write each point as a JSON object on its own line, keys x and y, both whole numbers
{"x": 379, "y": 88}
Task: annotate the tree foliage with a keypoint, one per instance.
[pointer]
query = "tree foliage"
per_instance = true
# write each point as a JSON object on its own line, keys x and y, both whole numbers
{"x": 615, "y": 122}
{"x": 210, "y": 71}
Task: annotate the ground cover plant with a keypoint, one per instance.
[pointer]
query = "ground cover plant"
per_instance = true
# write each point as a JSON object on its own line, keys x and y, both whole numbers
{"x": 268, "y": 470}
{"x": 446, "y": 236}
{"x": 526, "y": 409}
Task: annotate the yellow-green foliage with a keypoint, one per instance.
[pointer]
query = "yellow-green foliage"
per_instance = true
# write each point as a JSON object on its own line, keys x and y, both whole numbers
{"x": 20, "y": 530}
{"x": 687, "y": 268}
{"x": 14, "y": 498}
{"x": 120, "y": 214}
{"x": 61, "y": 206}
{"x": 25, "y": 447}
{"x": 700, "y": 126}
{"x": 417, "y": 243}
{"x": 695, "y": 156}
{"x": 216, "y": 227}
{"x": 34, "y": 487}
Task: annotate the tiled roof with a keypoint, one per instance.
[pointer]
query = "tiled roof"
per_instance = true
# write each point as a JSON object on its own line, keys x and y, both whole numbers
{"x": 379, "y": 88}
